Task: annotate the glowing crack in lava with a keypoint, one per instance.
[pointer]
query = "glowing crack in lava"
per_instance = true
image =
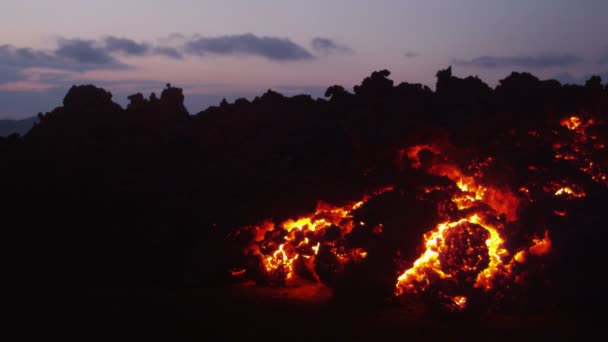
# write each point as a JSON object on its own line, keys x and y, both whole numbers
{"x": 288, "y": 250}
{"x": 468, "y": 250}
{"x": 463, "y": 255}
{"x": 581, "y": 145}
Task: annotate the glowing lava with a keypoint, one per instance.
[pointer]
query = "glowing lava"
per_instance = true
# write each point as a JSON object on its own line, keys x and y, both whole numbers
{"x": 282, "y": 246}
{"x": 467, "y": 250}
{"x": 452, "y": 253}
{"x": 579, "y": 146}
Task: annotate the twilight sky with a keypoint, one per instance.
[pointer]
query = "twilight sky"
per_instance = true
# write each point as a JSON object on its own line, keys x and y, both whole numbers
{"x": 226, "y": 48}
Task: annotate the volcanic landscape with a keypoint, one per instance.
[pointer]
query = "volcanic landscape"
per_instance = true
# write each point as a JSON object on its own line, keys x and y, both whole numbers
{"x": 390, "y": 212}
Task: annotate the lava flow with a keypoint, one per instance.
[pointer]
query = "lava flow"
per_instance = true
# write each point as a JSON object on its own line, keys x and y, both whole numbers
{"x": 581, "y": 145}
{"x": 288, "y": 250}
{"x": 467, "y": 249}
{"x": 467, "y": 252}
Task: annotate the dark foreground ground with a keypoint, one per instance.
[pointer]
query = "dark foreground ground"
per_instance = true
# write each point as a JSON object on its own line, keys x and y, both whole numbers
{"x": 243, "y": 313}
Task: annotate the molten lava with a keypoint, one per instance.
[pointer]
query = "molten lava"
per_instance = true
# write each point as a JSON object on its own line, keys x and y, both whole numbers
{"x": 541, "y": 245}
{"x": 468, "y": 250}
{"x": 579, "y": 145}
{"x": 282, "y": 246}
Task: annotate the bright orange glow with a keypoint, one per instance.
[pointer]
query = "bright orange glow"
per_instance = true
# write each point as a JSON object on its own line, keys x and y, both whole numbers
{"x": 428, "y": 262}
{"x": 571, "y": 123}
{"x": 470, "y": 249}
{"x": 280, "y": 260}
{"x": 303, "y": 237}
{"x": 460, "y": 301}
{"x": 495, "y": 251}
{"x": 520, "y": 257}
{"x": 579, "y": 147}
{"x": 568, "y": 191}
{"x": 466, "y": 250}
{"x": 429, "y": 265}
{"x": 302, "y": 223}
{"x": 541, "y": 245}
{"x": 502, "y": 200}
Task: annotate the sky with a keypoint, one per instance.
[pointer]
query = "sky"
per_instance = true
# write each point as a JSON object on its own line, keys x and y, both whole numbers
{"x": 230, "y": 49}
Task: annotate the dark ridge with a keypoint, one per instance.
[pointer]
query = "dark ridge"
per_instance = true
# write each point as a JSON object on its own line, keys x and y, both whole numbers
{"x": 106, "y": 207}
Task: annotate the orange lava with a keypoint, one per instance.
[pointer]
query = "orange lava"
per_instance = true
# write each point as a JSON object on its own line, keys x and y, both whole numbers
{"x": 469, "y": 249}
{"x": 302, "y": 238}
{"x": 579, "y": 146}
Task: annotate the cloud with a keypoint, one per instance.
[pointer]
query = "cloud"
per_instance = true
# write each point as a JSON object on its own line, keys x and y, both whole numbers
{"x": 272, "y": 48}
{"x": 86, "y": 52}
{"x": 13, "y": 57}
{"x": 411, "y": 54}
{"x": 168, "y": 52}
{"x": 130, "y": 47}
{"x": 27, "y": 70}
{"x": 103, "y": 54}
{"x": 326, "y": 46}
{"x": 9, "y": 74}
{"x": 532, "y": 62}
{"x": 126, "y": 46}
{"x": 75, "y": 55}
{"x": 31, "y": 69}
{"x": 172, "y": 38}
{"x": 71, "y": 56}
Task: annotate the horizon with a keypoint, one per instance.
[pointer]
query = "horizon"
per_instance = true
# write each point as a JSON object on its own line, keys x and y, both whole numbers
{"x": 214, "y": 100}
{"x": 218, "y": 49}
